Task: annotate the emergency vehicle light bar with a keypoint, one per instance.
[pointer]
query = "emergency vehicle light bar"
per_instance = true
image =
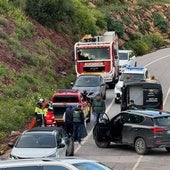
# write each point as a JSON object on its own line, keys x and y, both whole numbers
{"x": 134, "y": 68}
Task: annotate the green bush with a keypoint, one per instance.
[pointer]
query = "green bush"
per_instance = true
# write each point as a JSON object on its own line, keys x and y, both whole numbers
{"x": 144, "y": 27}
{"x": 115, "y": 25}
{"x": 160, "y": 22}
{"x": 154, "y": 41}
{"x": 138, "y": 46}
{"x": 49, "y": 12}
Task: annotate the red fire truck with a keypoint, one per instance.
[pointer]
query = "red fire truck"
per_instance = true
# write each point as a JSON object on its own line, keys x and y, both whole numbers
{"x": 98, "y": 55}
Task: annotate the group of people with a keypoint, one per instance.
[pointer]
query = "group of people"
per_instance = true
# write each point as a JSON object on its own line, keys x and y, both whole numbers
{"x": 74, "y": 120}
{"x": 44, "y": 113}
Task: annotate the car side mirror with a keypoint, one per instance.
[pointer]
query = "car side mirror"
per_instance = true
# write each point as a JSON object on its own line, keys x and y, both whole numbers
{"x": 11, "y": 144}
{"x": 61, "y": 145}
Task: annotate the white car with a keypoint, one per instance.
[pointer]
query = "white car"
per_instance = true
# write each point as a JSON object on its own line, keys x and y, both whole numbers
{"x": 41, "y": 142}
{"x": 130, "y": 74}
{"x": 51, "y": 164}
{"x": 126, "y": 58}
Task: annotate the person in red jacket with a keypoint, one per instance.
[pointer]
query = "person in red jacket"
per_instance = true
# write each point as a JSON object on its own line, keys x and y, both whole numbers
{"x": 49, "y": 117}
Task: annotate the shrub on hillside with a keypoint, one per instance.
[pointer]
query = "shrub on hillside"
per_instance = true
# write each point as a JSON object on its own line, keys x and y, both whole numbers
{"x": 115, "y": 25}
{"x": 138, "y": 46}
{"x": 160, "y": 22}
{"x": 49, "y": 12}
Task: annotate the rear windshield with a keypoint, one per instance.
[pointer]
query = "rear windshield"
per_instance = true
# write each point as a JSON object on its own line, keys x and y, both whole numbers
{"x": 163, "y": 121}
{"x": 67, "y": 99}
{"x": 129, "y": 77}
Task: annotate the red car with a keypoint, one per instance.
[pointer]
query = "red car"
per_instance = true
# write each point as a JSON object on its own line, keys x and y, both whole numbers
{"x": 68, "y": 97}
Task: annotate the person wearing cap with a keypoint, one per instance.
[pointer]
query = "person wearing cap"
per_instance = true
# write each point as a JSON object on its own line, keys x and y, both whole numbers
{"x": 78, "y": 121}
{"x": 98, "y": 108}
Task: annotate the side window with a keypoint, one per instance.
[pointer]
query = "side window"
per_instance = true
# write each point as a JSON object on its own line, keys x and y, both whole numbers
{"x": 54, "y": 167}
{"x": 135, "y": 118}
{"x": 23, "y": 168}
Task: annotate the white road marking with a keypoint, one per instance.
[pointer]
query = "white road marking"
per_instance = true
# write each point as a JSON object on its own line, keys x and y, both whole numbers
{"x": 140, "y": 157}
{"x": 90, "y": 133}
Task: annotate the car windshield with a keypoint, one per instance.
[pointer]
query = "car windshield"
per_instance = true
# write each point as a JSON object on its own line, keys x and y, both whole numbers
{"x": 131, "y": 77}
{"x": 68, "y": 99}
{"x": 163, "y": 121}
{"x": 87, "y": 81}
{"x": 123, "y": 56}
{"x": 91, "y": 166}
{"x": 36, "y": 141}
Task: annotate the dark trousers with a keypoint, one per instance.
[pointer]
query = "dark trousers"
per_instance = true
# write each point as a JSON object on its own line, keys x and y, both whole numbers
{"x": 68, "y": 126}
{"x": 77, "y": 131}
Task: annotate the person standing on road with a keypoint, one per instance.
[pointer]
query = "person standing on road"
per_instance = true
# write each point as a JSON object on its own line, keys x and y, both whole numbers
{"x": 68, "y": 120}
{"x": 39, "y": 113}
{"x": 98, "y": 108}
{"x": 78, "y": 121}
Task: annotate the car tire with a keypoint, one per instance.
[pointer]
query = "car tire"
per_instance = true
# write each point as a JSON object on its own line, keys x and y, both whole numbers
{"x": 141, "y": 147}
{"x": 117, "y": 101}
{"x": 168, "y": 149}
{"x": 100, "y": 144}
{"x": 135, "y": 64}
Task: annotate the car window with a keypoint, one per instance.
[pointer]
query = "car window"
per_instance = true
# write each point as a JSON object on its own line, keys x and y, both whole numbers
{"x": 87, "y": 81}
{"x": 135, "y": 118}
{"x": 90, "y": 166}
{"x": 131, "y": 77}
{"x": 163, "y": 121}
{"x": 55, "y": 167}
{"x": 69, "y": 99}
{"x": 123, "y": 56}
{"x": 36, "y": 141}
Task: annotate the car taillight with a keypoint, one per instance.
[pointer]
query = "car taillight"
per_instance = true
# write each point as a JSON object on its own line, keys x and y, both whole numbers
{"x": 161, "y": 107}
{"x": 157, "y": 129}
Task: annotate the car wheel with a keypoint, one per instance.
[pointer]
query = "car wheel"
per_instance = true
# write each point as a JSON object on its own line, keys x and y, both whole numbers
{"x": 70, "y": 149}
{"x": 135, "y": 64}
{"x": 100, "y": 144}
{"x": 140, "y": 146}
{"x": 168, "y": 149}
{"x": 117, "y": 101}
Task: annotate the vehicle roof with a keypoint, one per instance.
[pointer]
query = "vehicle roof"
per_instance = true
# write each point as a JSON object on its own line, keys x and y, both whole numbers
{"x": 144, "y": 82}
{"x": 33, "y": 162}
{"x": 139, "y": 70}
{"x": 44, "y": 130}
{"x": 69, "y": 161}
{"x": 150, "y": 112}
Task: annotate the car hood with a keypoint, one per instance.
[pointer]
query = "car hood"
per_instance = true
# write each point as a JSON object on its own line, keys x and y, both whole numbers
{"x": 33, "y": 152}
{"x": 123, "y": 62}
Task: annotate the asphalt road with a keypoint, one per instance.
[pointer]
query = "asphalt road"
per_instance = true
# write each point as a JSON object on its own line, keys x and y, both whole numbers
{"x": 120, "y": 157}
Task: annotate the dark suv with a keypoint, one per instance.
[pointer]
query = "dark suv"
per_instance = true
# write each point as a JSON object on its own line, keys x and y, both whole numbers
{"x": 143, "y": 129}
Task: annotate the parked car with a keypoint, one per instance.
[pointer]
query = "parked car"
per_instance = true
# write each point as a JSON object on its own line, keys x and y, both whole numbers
{"x": 130, "y": 74}
{"x": 51, "y": 164}
{"x": 92, "y": 84}
{"x": 64, "y": 98}
{"x": 145, "y": 94}
{"x": 126, "y": 58}
{"x": 42, "y": 142}
{"x": 142, "y": 129}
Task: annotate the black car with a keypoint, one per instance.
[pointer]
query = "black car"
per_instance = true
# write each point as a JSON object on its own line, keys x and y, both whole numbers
{"x": 143, "y": 129}
{"x": 92, "y": 84}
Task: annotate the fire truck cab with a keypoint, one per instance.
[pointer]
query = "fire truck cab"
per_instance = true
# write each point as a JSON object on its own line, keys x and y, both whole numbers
{"x": 98, "y": 55}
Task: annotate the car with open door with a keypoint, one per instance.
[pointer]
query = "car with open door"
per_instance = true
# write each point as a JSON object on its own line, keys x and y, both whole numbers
{"x": 142, "y": 129}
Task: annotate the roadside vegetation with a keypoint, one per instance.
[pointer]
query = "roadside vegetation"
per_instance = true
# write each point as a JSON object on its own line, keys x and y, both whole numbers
{"x": 35, "y": 66}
